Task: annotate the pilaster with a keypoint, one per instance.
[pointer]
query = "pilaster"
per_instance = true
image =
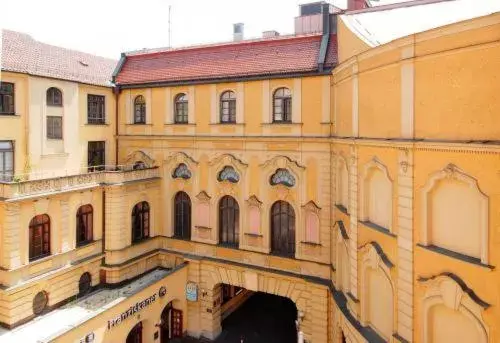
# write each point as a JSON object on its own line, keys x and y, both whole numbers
{"x": 353, "y": 234}
{"x": 11, "y": 248}
{"x": 405, "y": 246}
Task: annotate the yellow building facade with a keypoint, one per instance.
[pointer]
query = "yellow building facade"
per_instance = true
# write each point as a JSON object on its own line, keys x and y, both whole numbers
{"x": 363, "y": 190}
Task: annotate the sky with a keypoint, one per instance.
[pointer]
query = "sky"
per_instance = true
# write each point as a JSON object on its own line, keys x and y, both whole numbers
{"x": 109, "y": 27}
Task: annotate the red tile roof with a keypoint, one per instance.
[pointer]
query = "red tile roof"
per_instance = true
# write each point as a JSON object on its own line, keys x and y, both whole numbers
{"x": 264, "y": 57}
{"x": 22, "y": 54}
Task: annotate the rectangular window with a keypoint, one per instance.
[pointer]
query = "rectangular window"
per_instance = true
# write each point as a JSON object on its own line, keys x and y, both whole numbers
{"x": 96, "y": 109}
{"x": 6, "y": 98}
{"x": 54, "y": 127}
{"x": 6, "y": 160}
{"x": 96, "y": 155}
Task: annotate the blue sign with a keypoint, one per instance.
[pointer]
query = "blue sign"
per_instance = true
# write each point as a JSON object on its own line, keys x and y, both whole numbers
{"x": 191, "y": 291}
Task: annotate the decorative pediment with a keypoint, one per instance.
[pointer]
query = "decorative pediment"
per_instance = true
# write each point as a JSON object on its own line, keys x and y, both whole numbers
{"x": 181, "y": 172}
{"x": 203, "y": 196}
{"x": 311, "y": 206}
{"x": 254, "y": 201}
{"x": 228, "y": 159}
{"x": 180, "y": 157}
{"x": 282, "y": 162}
{"x": 228, "y": 173}
{"x": 373, "y": 255}
{"x": 140, "y": 156}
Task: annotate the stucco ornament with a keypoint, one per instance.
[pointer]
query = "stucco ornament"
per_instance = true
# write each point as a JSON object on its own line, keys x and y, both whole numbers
{"x": 139, "y": 155}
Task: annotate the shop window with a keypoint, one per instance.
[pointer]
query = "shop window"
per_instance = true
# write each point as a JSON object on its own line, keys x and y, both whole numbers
{"x": 85, "y": 284}
{"x": 140, "y": 222}
{"x": 228, "y": 107}
{"x": 7, "y": 98}
{"x": 54, "y": 97}
{"x": 282, "y": 229}
{"x": 139, "y": 110}
{"x": 229, "y": 221}
{"x": 181, "y": 109}
{"x": 39, "y": 237}
{"x": 84, "y": 225}
{"x": 182, "y": 216}
{"x": 96, "y": 109}
{"x": 282, "y": 106}
{"x": 40, "y": 302}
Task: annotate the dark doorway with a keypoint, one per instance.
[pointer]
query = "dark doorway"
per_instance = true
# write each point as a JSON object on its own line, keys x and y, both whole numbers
{"x": 171, "y": 326}
{"x": 262, "y": 318}
{"x": 135, "y": 335}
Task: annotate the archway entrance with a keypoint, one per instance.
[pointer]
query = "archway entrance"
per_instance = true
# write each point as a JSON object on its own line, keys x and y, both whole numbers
{"x": 135, "y": 335}
{"x": 261, "y": 317}
{"x": 171, "y": 323}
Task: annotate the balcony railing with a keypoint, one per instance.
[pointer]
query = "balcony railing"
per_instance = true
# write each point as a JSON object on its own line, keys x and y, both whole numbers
{"x": 32, "y": 184}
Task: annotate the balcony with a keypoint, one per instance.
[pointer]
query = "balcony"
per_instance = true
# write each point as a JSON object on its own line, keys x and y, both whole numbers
{"x": 29, "y": 185}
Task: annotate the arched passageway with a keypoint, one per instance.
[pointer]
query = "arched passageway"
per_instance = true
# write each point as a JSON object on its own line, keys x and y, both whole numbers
{"x": 171, "y": 323}
{"x": 135, "y": 335}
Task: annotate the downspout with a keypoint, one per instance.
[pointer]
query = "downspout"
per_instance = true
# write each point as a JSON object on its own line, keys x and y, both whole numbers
{"x": 325, "y": 10}
{"x": 116, "y": 93}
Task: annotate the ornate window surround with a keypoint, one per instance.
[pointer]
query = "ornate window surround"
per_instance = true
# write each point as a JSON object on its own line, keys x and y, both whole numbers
{"x": 453, "y": 172}
{"x": 341, "y": 161}
{"x": 449, "y": 290}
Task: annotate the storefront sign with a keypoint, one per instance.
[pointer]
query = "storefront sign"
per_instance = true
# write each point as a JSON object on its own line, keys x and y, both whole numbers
{"x": 136, "y": 308}
{"x": 191, "y": 291}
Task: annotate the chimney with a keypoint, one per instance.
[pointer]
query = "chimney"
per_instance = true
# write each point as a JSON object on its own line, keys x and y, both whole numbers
{"x": 353, "y": 5}
{"x": 238, "y": 32}
{"x": 270, "y": 34}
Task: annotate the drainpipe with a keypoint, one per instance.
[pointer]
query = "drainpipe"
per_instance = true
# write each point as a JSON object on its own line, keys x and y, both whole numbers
{"x": 116, "y": 94}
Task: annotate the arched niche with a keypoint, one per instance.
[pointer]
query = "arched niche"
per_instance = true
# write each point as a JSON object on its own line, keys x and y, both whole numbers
{"x": 452, "y": 312}
{"x": 254, "y": 219}
{"x": 376, "y": 195}
{"x": 377, "y": 290}
{"x": 342, "y": 182}
{"x": 455, "y": 214}
{"x": 312, "y": 225}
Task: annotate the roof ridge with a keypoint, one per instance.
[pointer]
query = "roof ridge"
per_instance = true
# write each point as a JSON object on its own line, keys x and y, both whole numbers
{"x": 396, "y": 5}
{"x": 154, "y": 51}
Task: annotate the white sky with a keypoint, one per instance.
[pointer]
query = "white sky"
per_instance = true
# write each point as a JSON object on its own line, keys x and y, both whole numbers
{"x": 108, "y": 27}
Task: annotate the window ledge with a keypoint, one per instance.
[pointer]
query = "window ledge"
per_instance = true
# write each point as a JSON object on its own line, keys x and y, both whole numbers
{"x": 180, "y": 124}
{"x": 139, "y": 124}
{"x": 251, "y": 234}
{"x": 9, "y": 115}
{"x": 180, "y": 238}
{"x": 456, "y": 255}
{"x": 314, "y": 244}
{"x": 40, "y": 259}
{"x": 84, "y": 244}
{"x": 229, "y": 245}
{"x": 229, "y": 124}
{"x": 342, "y": 209}
{"x": 378, "y": 228}
{"x": 282, "y": 124}
{"x": 97, "y": 124}
{"x": 203, "y": 227}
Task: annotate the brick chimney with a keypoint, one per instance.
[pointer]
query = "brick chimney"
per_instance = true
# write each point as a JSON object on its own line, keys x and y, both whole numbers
{"x": 356, "y": 5}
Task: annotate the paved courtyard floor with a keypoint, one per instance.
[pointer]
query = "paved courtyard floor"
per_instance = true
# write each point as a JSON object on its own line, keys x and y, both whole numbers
{"x": 263, "y": 318}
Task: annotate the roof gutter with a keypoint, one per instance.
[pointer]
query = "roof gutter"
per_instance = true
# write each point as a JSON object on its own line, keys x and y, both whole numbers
{"x": 325, "y": 10}
{"x": 119, "y": 67}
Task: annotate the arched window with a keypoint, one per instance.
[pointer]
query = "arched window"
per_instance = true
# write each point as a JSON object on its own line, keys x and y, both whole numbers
{"x": 39, "y": 236}
{"x": 139, "y": 110}
{"x": 181, "y": 109}
{"x": 140, "y": 222}
{"x": 138, "y": 165}
{"x": 54, "y": 97}
{"x": 283, "y": 229}
{"x": 228, "y": 107}
{"x": 282, "y": 177}
{"x": 135, "y": 335}
{"x": 229, "y": 214}
{"x": 85, "y": 284}
{"x": 282, "y": 106}
{"x": 84, "y": 225}
{"x": 182, "y": 216}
